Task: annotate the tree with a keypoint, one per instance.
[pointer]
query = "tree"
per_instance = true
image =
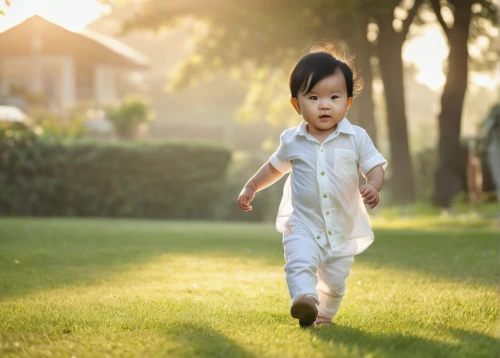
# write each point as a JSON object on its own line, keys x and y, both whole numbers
{"x": 351, "y": 27}
{"x": 449, "y": 174}
{"x": 270, "y": 41}
{"x": 267, "y": 33}
{"x": 389, "y": 45}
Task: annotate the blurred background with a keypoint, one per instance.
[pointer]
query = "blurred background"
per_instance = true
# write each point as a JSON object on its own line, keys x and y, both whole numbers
{"x": 164, "y": 109}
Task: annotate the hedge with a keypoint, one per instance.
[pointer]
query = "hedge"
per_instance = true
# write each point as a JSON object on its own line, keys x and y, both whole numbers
{"x": 148, "y": 180}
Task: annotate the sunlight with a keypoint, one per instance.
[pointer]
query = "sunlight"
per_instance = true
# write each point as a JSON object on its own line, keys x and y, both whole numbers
{"x": 62, "y": 12}
{"x": 427, "y": 51}
{"x": 483, "y": 80}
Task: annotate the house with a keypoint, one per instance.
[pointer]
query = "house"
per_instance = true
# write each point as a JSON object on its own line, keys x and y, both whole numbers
{"x": 205, "y": 110}
{"x": 64, "y": 67}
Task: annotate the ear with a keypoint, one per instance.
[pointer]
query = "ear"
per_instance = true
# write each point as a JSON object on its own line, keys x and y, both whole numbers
{"x": 349, "y": 102}
{"x": 296, "y": 105}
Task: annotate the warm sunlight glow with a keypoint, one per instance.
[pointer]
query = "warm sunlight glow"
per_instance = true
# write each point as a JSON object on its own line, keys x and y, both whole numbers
{"x": 427, "y": 51}
{"x": 483, "y": 80}
{"x": 71, "y": 14}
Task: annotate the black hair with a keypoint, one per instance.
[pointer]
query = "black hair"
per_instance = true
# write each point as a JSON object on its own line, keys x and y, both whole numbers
{"x": 316, "y": 66}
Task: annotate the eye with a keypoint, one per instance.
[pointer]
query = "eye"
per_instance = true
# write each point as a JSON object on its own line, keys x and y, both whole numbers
{"x": 335, "y": 97}
{"x": 313, "y": 98}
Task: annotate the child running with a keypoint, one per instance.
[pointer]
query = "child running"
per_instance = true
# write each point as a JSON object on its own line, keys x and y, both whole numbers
{"x": 322, "y": 213}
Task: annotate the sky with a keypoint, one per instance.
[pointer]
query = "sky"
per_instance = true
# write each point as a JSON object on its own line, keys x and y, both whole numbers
{"x": 63, "y": 12}
{"x": 427, "y": 49}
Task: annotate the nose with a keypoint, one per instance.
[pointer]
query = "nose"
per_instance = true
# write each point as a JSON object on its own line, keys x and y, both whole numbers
{"x": 324, "y": 104}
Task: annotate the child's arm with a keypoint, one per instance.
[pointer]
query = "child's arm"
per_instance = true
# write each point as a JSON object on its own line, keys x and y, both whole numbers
{"x": 374, "y": 182}
{"x": 265, "y": 176}
{"x": 371, "y": 165}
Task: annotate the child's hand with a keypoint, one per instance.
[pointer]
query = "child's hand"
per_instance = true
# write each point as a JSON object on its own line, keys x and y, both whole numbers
{"x": 245, "y": 198}
{"x": 370, "y": 195}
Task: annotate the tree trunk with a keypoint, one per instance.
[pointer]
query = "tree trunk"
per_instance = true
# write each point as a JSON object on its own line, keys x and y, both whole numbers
{"x": 448, "y": 179}
{"x": 363, "y": 111}
{"x": 365, "y": 102}
{"x": 389, "y": 49}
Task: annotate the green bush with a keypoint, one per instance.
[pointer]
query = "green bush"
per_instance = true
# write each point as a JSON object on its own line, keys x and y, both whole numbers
{"x": 149, "y": 180}
{"x": 129, "y": 115}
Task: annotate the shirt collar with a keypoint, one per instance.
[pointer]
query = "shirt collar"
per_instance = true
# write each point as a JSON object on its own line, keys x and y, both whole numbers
{"x": 301, "y": 129}
{"x": 344, "y": 126}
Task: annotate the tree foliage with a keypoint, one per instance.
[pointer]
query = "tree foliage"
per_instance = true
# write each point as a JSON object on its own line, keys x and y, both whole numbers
{"x": 235, "y": 33}
{"x": 268, "y": 36}
{"x": 7, "y": 3}
{"x": 482, "y": 29}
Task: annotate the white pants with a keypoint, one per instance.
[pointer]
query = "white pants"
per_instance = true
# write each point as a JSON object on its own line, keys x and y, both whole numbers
{"x": 312, "y": 270}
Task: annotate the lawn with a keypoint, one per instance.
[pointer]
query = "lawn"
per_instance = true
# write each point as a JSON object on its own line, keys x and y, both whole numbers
{"x": 130, "y": 288}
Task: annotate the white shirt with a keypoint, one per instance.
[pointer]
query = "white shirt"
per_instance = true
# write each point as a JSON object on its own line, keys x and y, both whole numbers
{"x": 322, "y": 192}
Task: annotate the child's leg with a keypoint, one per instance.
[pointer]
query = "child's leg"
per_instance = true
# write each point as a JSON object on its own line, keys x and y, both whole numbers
{"x": 331, "y": 285}
{"x": 302, "y": 259}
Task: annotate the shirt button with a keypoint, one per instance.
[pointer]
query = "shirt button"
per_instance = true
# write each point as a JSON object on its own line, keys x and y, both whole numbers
{"x": 318, "y": 237}
{"x": 329, "y": 232}
{"x": 322, "y": 173}
{"x": 325, "y": 196}
{"x": 327, "y": 213}
{"x": 321, "y": 150}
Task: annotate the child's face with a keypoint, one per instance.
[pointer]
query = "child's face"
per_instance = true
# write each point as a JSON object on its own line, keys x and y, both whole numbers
{"x": 326, "y": 104}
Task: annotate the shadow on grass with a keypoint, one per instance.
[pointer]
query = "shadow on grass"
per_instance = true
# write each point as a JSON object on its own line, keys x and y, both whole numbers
{"x": 201, "y": 341}
{"x": 360, "y": 343}
{"x": 40, "y": 254}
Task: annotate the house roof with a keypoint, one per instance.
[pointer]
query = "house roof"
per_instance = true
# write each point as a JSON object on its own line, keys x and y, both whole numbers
{"x": 85, "y": 46}
{"x": 117, "y": 47}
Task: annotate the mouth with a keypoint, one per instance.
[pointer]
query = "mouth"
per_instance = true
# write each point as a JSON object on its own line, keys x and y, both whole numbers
{"x": 324, "y": 117}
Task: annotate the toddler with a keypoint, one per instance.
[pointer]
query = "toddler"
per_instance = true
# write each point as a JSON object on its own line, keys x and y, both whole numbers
{"x": 322, "y": 213}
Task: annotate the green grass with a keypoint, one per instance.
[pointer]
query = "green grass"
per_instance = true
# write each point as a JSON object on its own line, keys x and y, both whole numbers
{"x": 123, "y": 288}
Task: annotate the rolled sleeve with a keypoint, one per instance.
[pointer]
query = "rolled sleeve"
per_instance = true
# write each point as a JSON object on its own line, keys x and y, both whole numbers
{"x": 375, "y": 161}
{"x": 279, "y": 159}
{"x": 280, "y": 165}
{"x": 369, "y": 157}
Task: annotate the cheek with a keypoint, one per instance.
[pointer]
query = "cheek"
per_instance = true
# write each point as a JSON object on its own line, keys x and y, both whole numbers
{"x": 308, "y": 113}
{"x": 308, "y": 108}
{"x": 341, "y": 107}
